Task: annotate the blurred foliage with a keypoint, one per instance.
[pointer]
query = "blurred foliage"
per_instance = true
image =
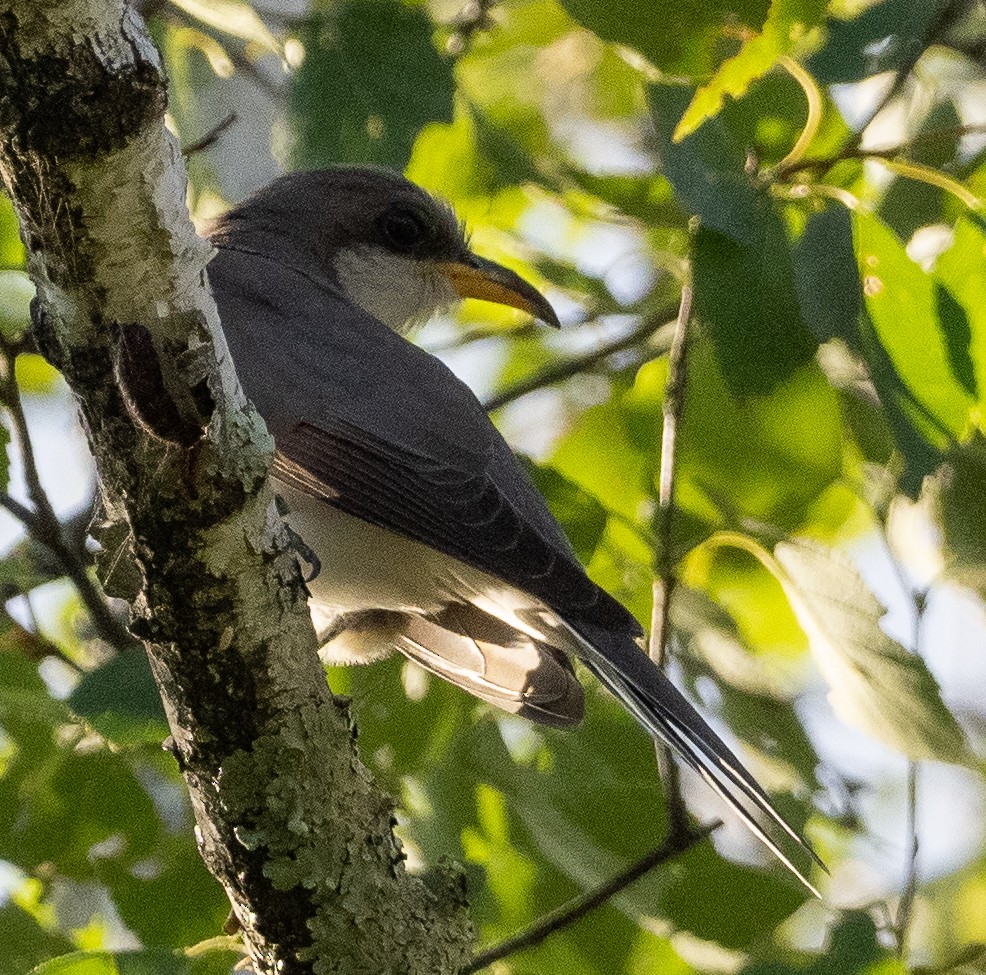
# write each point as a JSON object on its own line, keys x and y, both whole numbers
{"x": 814, "y": 170}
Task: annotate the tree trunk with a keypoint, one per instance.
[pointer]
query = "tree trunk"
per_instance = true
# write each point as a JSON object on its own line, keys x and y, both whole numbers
{"x": 288, "y": 819}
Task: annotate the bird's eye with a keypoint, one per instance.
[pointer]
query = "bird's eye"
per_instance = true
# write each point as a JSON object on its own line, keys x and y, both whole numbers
{"x": 403, "y": 230}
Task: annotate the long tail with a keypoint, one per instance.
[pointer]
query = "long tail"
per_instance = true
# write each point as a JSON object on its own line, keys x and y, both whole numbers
{"x": 661, "y": 709}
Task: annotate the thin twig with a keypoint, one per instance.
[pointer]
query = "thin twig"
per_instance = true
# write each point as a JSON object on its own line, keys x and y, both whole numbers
{"x": 665, "y": 577}
{"x": 578, "y": 907}
{"x": 210, "y": 138}
{"x": 905, "y": 910}
{"x": 887, "y": 152}
{"x": 11, "y": 399}
{"x": 660, "y": 334}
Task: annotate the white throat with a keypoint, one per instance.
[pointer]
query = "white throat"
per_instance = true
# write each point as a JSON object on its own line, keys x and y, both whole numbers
{"x": 401, "y": 292}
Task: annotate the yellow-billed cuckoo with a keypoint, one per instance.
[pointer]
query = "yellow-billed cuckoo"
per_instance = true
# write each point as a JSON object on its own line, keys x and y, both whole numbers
{"x": 431, "y": 539}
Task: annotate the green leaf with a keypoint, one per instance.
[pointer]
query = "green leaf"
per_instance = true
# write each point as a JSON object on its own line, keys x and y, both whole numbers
{"x": 145, "y": 898}
{"x": 12, "y": 253}
{"x": 679, "y": 38}
{"x": 25, "y": 943}
{"x": 912, "y": 203}
{"x": 884, "y": 37}
{"x": 371, "y": 79}
{"x": 745, "y": 296}
{"x": 957, "y": 498}
{"x": 785, "y": 29}
{"x": 601, "y": 456}
{"x": 918, "y": 438}
{"x": 707, "y": 168}
{"x": 766, "y": 458}
{"x": 742, "y": 267}
{"x": 875, "y": 685}
{"x": 853, "y": 949}
{"x": 70, "y": 809}
{"x": 121, "y": 700}
{"x": 905, "y": 308}
{"x": 80, "y": 963}
{"x": 961, "y": 272}
{"x": 27, "y": 710}
{"x": 711, "y": 897}
{"x": 827, "y": 277}
{"x": 35, "y": 375}
{"x": 578, "y": 512}
{"x": 146, "y": 962}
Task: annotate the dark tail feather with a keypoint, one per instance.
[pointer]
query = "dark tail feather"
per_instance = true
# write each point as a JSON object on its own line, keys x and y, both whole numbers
{"x": 663, "y": 712}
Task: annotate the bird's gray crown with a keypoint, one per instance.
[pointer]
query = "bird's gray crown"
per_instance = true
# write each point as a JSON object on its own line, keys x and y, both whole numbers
{"x": 321, "y": 212}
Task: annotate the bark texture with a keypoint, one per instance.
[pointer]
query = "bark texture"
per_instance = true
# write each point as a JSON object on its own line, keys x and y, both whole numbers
{"x": 288, "y": 819}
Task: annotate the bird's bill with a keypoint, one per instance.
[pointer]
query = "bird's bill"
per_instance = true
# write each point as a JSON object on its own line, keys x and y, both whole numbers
{"x": 486, "y": 280}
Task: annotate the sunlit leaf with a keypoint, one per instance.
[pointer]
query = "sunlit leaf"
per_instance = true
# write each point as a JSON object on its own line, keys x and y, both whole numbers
{"x": 961, "y": 272}
{"x": 35, "y": 375}
{"x": 905, "y": 307}
{"x": 11, "y": 249}
{"x": 875, "y": 685}
{"x": 680, "y": 38}
{"x": 785, "y": 27}
{"x": 16, "y": 292}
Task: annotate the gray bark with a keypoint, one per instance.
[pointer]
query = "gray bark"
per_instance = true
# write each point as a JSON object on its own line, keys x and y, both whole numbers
{"x": 287, "y": 818}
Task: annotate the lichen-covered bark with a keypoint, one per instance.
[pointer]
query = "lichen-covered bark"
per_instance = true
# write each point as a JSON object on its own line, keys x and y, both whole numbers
{"x": 288, "y": 819}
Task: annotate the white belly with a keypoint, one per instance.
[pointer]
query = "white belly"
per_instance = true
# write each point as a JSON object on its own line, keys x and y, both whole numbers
{"x": 365, "y": 567}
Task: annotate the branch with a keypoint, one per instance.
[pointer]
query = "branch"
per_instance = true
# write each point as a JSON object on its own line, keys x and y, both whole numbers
{"x": 651, "y": 328}
{"x": 43, "y": 524}
{"x": 287, "y": 818}
{"x": 673, "y": 409}
{"x": 472, "y": 19}
{"x": 49, "y": 533}
{"x": 577, "y": 908}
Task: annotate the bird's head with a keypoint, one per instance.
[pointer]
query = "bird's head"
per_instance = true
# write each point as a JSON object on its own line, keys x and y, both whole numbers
{"x": 386, "y": 244}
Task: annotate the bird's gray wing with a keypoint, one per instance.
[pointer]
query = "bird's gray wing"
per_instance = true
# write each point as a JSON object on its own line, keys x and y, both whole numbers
{"x": 377, "y": 427}
{"x": 462, "y": 513}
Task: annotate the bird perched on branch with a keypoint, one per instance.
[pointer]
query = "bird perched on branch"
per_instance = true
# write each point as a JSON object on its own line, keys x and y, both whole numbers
{"x": 432, "y": 541}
